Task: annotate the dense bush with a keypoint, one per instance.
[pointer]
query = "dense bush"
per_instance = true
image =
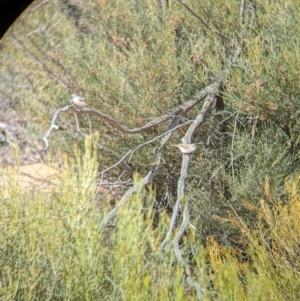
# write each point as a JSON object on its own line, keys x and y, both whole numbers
{"x": 135, "y": 62}
{"x": 52, "y": 247}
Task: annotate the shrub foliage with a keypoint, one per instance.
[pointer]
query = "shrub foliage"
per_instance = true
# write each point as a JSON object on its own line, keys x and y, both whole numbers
{"x": 225, "y": 75}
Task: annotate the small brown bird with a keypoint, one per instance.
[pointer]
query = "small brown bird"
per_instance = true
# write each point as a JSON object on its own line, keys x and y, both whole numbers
{"x": 186, "y": 148}
{"x": 79, "y": 101}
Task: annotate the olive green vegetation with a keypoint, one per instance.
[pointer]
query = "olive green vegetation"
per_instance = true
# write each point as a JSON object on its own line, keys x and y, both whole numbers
{"x": 134, "y": 61}
{"x": 52, "y": 247}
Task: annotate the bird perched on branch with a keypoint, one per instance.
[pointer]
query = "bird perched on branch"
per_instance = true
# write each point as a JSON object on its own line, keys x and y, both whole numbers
{"x": 186, "y": 148}
{"x": 78, "y": 100}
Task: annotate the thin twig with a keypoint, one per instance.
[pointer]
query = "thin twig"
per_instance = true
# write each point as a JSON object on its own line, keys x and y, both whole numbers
{"x": 202, "y": 21}
{"x": 166, "y": 136}
{"x": 232, "y": 148}
{"x": 242, "y": 12}
{"x": 34, "y": 8}
{"x": 145, "y": 181}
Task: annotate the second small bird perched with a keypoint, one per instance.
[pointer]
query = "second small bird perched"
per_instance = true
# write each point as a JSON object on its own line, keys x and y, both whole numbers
{"x": 78, "y": 100}
{"x": 186, "y": 148}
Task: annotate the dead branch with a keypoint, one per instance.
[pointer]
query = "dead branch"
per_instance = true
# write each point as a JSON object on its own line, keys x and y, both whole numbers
{"x": 120, "y": 160}
{"x": 179, "y": 110}
{"x": 208, "y": 104}
{"x": 210, "y": 101}
{"x": 145, "y": 181}
{"x": 185, "y": 162}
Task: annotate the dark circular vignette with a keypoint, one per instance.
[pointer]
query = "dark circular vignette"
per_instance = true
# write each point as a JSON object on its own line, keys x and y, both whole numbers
{"x": 10, "y": 10}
